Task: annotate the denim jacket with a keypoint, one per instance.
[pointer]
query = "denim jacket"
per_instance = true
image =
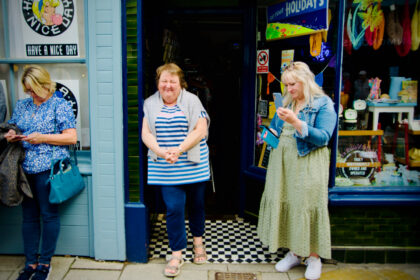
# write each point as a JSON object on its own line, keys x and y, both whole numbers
{"x": 318, "y": 123}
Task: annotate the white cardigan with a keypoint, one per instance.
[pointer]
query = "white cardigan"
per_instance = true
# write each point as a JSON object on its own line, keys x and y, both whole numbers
{"x": 189, "y": 104}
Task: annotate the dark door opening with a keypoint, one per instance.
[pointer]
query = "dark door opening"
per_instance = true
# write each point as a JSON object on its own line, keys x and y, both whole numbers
{"x": 207, "y": 45}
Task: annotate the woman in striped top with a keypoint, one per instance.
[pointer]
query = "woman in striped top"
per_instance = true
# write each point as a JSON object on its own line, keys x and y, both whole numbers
{"x": 175, "y": 128}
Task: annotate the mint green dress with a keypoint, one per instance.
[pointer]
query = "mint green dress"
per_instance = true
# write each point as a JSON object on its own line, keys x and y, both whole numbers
{"x": 294, "y": 206}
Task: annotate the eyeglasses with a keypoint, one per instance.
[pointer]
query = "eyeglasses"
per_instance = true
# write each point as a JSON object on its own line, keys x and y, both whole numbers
{"x": 29, "y": 91}
{"x": 290, "y": 66}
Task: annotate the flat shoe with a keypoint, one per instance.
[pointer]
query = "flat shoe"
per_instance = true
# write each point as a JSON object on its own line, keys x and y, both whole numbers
{"x": 202, "y": 256}
{"x": 176, "y": 268}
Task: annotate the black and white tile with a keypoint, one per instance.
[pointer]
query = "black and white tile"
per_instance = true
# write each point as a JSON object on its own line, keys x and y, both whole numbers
{"x": 231, "y": 241}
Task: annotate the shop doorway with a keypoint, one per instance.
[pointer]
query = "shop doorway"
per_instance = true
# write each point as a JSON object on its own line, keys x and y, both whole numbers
{"x": 207, "y": 45}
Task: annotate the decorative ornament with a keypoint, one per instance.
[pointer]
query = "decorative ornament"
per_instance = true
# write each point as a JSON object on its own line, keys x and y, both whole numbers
{"x": 404, "y": 48}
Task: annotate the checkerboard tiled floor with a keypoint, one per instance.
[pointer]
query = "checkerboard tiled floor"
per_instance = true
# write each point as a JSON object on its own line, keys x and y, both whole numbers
{"x": 229, "y": 241}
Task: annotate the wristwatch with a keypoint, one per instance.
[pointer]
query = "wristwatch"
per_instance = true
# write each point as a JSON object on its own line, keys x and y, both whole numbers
{"x": 180, "y": 151}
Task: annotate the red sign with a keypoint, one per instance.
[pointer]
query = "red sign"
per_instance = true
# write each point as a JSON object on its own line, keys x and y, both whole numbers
{"x": 262, "y": 61}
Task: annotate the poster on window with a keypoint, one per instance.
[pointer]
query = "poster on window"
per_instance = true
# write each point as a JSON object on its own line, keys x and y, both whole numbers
{"x": 43, "y": 28}
{"x": 293, "y": 18}
{"x": 69, "y": 90}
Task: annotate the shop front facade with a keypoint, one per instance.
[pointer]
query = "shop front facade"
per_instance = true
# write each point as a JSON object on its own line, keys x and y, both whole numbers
{"x": 107, "y": 60}
{"x": 80, "y": 52}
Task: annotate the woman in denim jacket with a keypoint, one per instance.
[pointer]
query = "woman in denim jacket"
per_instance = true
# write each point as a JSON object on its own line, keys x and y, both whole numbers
{"x": 294, "y": 205}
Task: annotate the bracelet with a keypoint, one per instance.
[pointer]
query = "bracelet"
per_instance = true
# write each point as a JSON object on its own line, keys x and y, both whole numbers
{"x": 180, "y": 151}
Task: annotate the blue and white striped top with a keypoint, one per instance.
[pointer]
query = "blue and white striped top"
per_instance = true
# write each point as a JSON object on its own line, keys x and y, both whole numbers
{"x": 171, "y": 130}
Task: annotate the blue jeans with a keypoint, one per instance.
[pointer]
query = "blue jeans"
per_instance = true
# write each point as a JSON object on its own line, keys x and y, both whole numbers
{"x": 175, "y": 198}
{"x": 33, "y": 209}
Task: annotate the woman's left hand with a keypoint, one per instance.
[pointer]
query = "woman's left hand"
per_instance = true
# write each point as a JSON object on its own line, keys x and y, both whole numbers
{"x": 34, "y": 138}
{"x": 289, "y": 116}
{"x": 286, "y": 115}
{"x": 173, "y": 155}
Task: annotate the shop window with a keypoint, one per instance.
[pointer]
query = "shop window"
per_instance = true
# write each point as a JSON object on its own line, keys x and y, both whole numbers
{"x": 5, "y": 102}
{"x": 378, "y": 136}
{"x": 279, "y": 52}
{"x": 43, "y": 29}
{"x": 72, "y": 83}
{"x": 51, "y": 34}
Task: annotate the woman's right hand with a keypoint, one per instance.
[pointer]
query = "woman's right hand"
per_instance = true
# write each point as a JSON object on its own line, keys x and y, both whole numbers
{"x": 11, "y": 136}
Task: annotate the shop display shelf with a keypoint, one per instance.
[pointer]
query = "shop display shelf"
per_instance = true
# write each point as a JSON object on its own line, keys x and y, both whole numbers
{"x": 360, "y": 132}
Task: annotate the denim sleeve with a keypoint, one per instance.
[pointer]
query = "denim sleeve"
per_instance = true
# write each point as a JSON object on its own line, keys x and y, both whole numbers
{"x": 323, "y": 128}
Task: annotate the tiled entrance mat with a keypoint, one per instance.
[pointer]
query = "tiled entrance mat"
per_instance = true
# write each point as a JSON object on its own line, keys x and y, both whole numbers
{"x": 227, "y": 241}
{"x": 235, "y": 276}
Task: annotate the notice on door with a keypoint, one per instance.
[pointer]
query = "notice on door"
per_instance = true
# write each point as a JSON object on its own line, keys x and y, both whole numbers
{"x": 262, "y": 61}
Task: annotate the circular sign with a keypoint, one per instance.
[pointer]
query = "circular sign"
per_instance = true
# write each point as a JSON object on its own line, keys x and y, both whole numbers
{"x": 358, "y": 164}
{"x": 66, "y": 93}
{"x": 48, "y": 17}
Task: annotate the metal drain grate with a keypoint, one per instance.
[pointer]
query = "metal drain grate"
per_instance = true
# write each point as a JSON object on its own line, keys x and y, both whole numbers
{"x": 235, "y": 276}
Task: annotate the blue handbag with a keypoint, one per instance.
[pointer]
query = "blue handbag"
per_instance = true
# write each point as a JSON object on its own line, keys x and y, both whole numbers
{"x": 65, "y": 180}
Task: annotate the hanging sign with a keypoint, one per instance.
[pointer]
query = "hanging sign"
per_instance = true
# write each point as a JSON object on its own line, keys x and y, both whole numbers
{"x": 293, "y": 18}
{"x": 262, "y": 61}
{"x": 43, "y": 28}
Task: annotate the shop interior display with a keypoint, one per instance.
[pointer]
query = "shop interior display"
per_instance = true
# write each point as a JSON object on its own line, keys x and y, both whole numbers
{"x": 378, "y": 69}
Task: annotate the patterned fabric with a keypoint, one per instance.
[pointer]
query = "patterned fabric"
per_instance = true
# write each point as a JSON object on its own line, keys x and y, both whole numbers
{"x": 54, "y": 114}
{"x": 171, "y": 130}
{"x": 294, "y": 206}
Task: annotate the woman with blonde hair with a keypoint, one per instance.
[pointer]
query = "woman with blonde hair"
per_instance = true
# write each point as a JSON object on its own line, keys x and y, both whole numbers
{"x": 47, "y": 123}
{"x": 294, "y": 206}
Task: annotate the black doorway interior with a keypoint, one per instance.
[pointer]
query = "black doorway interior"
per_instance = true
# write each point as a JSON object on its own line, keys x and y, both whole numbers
{"x": 207, "y": 45}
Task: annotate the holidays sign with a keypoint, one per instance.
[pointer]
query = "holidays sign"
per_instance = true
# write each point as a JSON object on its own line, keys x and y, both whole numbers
{"x": 43, "y": 28}
{"x": 292, "y": 18}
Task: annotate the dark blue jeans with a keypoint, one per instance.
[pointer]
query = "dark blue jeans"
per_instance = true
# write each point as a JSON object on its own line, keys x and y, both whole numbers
{"x": 33, "y": 209}
{"x": 175, "y": 198}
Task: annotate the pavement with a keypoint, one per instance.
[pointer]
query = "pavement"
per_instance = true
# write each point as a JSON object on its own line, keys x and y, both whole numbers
{"x": 81, "y": 268}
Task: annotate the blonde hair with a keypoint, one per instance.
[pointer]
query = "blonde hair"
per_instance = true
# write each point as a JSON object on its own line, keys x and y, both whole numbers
{"x": 38, "y": 11}
{"x": 300, "y": 72}
{"x": 173, "y": 69}
{"x": 38, "y": 79}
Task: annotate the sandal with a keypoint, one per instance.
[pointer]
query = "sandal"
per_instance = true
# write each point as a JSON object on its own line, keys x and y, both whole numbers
{"x": 202, "y": 256}
{"x": 176, "y": 268}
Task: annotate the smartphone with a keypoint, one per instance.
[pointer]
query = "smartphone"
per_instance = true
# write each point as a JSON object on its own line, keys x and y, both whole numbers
{"x": 278, "y": 99}
{"x": 19, "y": 137}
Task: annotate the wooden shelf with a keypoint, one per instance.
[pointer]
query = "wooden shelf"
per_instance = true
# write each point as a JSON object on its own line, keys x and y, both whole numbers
{"x": 360, "y": 132}
{"x": 414, "y": 132}
{"x": 411, "y": 163}
{"x": 358, "y": 164}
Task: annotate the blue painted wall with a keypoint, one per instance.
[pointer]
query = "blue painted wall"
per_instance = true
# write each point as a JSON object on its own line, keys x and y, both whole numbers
{"x": 106, "y": 114}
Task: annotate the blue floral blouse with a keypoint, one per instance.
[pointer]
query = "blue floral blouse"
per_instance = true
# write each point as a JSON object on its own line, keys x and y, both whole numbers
{"x": 54, "y": 114}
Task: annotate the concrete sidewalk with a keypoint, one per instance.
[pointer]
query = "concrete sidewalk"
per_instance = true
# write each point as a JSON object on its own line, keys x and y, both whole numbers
{"x": 77, "y": 268}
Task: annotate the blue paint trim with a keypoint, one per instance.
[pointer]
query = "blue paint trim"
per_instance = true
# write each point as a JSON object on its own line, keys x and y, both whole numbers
{"x": 41, "y": 60}
{"x": 136, "y": 214}
{"x": 137, "y": 232}
{"x": 337, "y": 92}
{"x": 374, "y": 200}
{"x": 141, "y": 94}
{"x": 248, "y": 98}
{"x": 125, "y": 101}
